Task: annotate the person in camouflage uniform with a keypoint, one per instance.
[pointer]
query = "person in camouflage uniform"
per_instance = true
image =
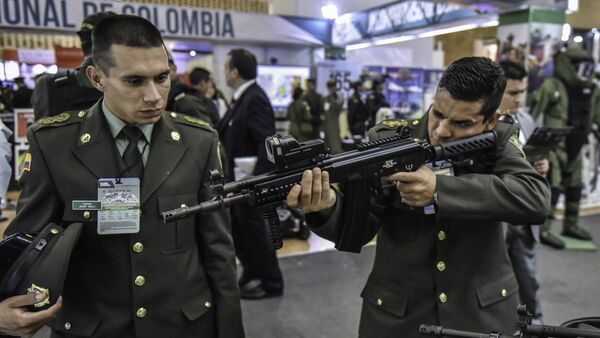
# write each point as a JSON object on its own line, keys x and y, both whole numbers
{"x": 568, "y": 98}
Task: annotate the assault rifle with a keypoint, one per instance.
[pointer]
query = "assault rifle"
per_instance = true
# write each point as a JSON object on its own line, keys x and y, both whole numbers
{"x": 570, "y": 329}
{"x": 368, "y": 163}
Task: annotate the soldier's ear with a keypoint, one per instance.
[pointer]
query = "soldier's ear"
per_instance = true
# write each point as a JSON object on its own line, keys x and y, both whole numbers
{"x": 94, "y": 74}
{"x": 492, "y": 120}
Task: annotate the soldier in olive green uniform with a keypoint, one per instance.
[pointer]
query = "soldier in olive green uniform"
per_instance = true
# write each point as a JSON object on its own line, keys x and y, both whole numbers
{"x": 568, "y": 99}
{"x": 300, "y": 117}
{"x": 157, "y": 280}
{"x": 448, "y": 268}
{"x": 333, "y": 108}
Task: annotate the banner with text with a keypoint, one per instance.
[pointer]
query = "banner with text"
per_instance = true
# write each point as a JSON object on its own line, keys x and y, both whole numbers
{"x": 172, "y": 21}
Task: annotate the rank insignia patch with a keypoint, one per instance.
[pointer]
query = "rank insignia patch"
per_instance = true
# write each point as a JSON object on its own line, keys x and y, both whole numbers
{"x": 27, "y": 162}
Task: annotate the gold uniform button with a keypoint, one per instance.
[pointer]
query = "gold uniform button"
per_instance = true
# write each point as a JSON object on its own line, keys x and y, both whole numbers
{"x": 140, "y": 280}
{"x": 207, "y": 305}
{"x": 379, "y": 301}
{"x": 504, "y": 293}
{"x": 184, "y": 205}
{"x": 443, "y": 297}
{"x": 441, "y": 235}
{"x": 415, "y": 122}
{"x": 175, "y": 136}
{"x": 67, "y": 326}
{"x": 138, "y": 247}
{"x": 85, "y": 138}
{"x": 54, "y": 231}
{"x": 173, "y": 114}
{"x": 87, "y": 214}
{"x": 141, "y": 312}
{"x": 81, "y": 114}
{"x": 441, "y": 266}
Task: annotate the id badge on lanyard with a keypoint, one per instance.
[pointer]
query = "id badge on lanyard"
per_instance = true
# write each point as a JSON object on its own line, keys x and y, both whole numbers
{"x": 120, "y": 212}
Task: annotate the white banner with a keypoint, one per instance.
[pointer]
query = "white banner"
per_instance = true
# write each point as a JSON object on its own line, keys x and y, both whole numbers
{"x": 172, "y": 21}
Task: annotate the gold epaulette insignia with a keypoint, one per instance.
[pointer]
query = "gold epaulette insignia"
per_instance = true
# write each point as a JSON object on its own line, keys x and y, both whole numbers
{"x": 395, "y": 123}
{"x": 196, "y": 121}
{"x": 514, "y": 139}
{"x": 55, "y": 119}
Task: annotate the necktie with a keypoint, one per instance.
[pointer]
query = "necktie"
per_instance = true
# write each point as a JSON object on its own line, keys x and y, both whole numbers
{"x": 132, "y": 156}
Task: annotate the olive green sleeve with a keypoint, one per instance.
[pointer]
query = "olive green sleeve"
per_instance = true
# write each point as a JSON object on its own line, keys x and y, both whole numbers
{"x": 215, "y": 244}
{"x": 39, "y": 203}
{"x": 542, "y": 99}
{"x": 513, "y": 192}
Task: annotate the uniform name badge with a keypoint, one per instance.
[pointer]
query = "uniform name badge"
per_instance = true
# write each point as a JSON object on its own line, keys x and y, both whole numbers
{"x": 120, "y": 213}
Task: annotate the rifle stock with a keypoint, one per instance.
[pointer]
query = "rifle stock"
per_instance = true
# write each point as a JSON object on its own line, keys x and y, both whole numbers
{"x": 370, "y": 161}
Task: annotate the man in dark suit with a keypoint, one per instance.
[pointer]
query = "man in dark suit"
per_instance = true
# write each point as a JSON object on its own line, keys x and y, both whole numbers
{"x": 451, "y": 267}
{"x": 243, "y": 130}
{"x": 132, "y": 276}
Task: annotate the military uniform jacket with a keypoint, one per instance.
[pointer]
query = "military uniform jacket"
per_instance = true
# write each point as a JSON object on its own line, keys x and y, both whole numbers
{"x": 450, "y": 268}
{"x": 168, "y": 280}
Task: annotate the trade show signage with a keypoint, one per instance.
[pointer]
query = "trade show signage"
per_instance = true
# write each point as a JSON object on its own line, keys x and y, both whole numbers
{"x": 396, "y": 17}
{"x": 343, "y": 73}
{"x": 172, "y": 21}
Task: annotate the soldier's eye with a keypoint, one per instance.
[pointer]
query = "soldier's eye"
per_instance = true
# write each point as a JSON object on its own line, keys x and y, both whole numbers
{"x": 133, "y": 81}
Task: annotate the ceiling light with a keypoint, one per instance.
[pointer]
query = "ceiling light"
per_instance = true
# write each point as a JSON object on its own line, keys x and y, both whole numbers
{"x": 359, "y": 46}
{"x": 329, "y": 11}
{"x": 566, "y": 32}
{"x": 447, "y": 30}
{"x": 394, "y": 40}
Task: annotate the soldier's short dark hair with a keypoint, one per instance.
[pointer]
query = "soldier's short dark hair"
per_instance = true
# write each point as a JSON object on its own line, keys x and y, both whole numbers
{"x": 199, "y": 74}
{"x": 513, "y": 70}
{"x": 127, "y": 30}
{"x": 297, "y": 93}
{"x": 475, "y": 78}
{"x": 87, "y": 26}
{"x": 244, "y": 62}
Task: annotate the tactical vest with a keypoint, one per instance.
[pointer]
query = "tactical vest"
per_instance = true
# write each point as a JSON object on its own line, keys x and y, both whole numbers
{"x": 65, "y": 94}
{"x": 579, "y": 117}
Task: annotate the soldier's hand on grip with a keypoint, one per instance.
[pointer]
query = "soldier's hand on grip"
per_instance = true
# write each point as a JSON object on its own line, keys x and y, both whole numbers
{"x": 416, "y": 188}
{"x": 314, "y": 192}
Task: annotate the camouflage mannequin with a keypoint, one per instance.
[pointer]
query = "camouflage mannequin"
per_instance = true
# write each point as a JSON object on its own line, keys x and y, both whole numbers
{"x": 568, "y": 98}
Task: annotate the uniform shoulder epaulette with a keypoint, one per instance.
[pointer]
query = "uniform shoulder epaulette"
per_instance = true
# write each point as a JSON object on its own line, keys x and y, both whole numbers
{"x": 190, "y": 121}
{"x": 508, "y": 118}
{"x": 393, "y": 124}
{"x": 61, "y": 119}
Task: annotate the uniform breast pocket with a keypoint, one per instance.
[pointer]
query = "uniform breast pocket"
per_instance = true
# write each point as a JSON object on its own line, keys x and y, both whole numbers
{"x": 176, "y": 236}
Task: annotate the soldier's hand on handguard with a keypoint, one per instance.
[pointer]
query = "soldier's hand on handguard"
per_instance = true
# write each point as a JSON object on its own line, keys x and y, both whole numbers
{"x": 313, "y": 193}
{"x": 16, "y": 320}
{"x": 416, "y": 188}
{"x": 542, "y": 166}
